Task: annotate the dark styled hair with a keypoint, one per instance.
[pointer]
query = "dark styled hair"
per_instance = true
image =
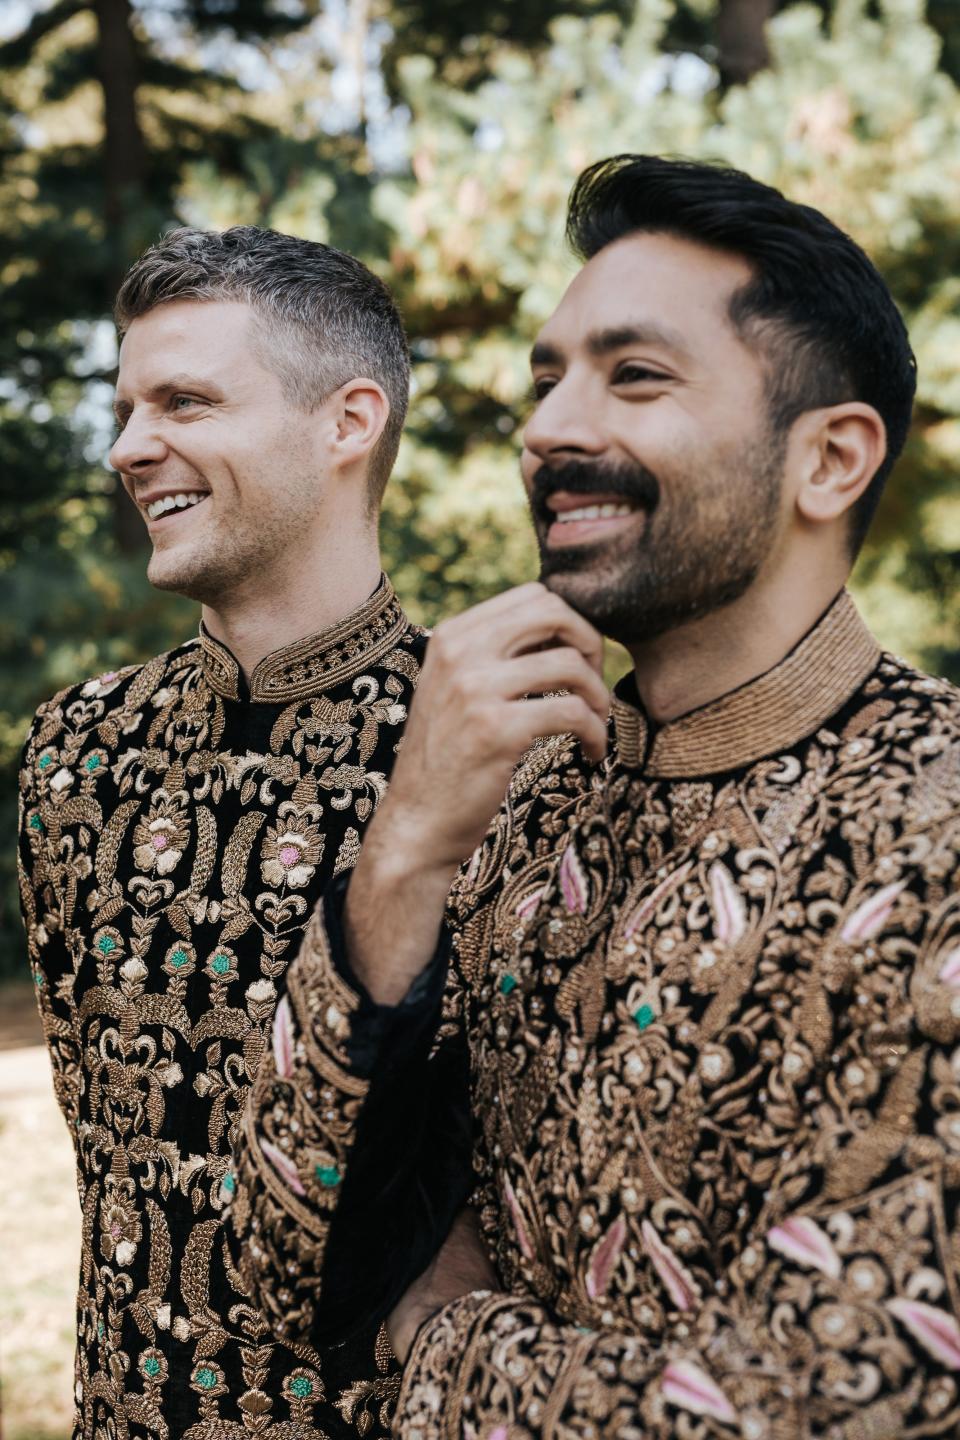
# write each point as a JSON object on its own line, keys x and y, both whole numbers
{"x": 321, "y": 317}
{"x": 816, "y": 305}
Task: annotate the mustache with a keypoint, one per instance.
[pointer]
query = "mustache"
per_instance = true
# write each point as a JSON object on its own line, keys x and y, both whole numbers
{"x": 633, "y": 483}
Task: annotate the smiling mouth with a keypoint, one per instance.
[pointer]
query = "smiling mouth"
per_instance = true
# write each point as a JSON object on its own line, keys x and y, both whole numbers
{"x": 592, "y": 512}
{"x": 169, "y": 504}
{"x": 571, "y": 522}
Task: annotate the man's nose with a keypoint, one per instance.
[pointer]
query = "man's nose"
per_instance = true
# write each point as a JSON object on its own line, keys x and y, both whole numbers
{"x": 137, "y": 447}
{"x": 565, "y": 423}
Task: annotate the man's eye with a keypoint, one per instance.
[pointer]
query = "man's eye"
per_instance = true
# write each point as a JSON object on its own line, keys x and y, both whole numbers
{"x": 181, "y": 402}
{"x": 541, "y": 387}
{"x": 636, "y": 375}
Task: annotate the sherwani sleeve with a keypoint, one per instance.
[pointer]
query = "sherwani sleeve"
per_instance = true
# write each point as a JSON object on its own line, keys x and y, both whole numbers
{"x": 354, "y": 1150}
{"x": 839, "y": 1313}
{"x": 47, "y": 891}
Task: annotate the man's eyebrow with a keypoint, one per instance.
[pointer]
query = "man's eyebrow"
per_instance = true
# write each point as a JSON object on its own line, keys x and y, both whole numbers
{"x": 544, "y": 354}
{"x": 618, "y": 337}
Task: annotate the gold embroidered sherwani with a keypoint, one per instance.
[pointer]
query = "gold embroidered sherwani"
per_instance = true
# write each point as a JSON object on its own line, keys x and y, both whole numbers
{"x": 177, "y": 830}
{"x": 709, "y": 991}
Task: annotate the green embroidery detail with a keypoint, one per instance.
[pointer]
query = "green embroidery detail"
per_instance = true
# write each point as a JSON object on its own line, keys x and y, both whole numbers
{"x": 229, "y": 1183}
{"x": 301, "y": 1387}
{"x": 100, "y": 1330}
{"x": 151, "y": 1365}
{"x": 91, "y": 763}
{"x": 205, "y": 1377}
{"x": 220, "y": 964}
{"x": 106, "y": 944}
{"x": 38, "y": 981}
{"x": 328, "y": 1175}
{"x": 36, "y": 823}
{"x": 508, "y": 983}
{"x": 44, "y": 762}
{"x": 644, "y": 1016}
{"x": 178, "y": 958}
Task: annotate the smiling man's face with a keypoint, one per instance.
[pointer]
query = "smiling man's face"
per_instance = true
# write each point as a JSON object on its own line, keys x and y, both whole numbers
{"x": 223, "y": 468}
{"x": 653, "y": 478}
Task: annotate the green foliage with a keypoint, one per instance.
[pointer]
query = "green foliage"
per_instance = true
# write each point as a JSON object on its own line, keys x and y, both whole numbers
{"x": 857, "y": 114}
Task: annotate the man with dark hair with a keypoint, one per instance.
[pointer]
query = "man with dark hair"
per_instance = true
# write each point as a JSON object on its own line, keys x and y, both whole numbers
{"x": 180, "y": 818}
{"x": 698, "y": 984}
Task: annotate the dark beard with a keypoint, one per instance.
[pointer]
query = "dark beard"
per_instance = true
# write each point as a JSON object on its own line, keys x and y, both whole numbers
{"x": 690, "y": 559}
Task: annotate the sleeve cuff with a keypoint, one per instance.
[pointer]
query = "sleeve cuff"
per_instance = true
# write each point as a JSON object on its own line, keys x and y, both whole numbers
{"x": 378, "y": 1029}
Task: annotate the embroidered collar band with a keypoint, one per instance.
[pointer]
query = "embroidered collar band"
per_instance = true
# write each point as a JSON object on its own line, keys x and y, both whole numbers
{"x": 770, "y": 713}
{"x": 317, "y": 662}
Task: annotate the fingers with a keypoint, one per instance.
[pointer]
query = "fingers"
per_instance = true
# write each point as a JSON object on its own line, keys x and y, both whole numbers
{"x": 558, "y": 715}
{"x": 549, "y": 621}
{"x": 562, "y": 669}
{"x": 496, "y": 652}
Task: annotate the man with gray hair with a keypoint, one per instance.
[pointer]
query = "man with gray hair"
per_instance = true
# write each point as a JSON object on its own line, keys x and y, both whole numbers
{"x": 181, "y": 818}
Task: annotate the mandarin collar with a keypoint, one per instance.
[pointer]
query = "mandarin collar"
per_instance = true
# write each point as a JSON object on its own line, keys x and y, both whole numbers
{"x": 317, "y": 662}
{"x": 771, "y": 713}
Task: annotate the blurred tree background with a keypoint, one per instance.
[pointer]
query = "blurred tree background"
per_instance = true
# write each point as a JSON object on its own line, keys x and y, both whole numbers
{"x": 438, "y": 140}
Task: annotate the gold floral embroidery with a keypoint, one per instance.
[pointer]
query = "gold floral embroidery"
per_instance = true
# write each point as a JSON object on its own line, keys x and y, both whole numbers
{"x": 174, "y": 844}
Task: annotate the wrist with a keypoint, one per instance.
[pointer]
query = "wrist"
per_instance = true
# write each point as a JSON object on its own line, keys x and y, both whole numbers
{"x": 389, "y": 867}
{"x": 404, "y": 846}
{"x": 393, "y": 871}
{"x": 405, "y": 1324}
{"x": 392, "y": 914}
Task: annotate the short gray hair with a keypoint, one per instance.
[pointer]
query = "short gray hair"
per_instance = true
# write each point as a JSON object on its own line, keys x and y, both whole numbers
{"x": 324, "y": 318}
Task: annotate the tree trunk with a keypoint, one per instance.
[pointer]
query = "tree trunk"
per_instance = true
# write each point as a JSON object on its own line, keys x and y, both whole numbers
{"x": 124, "y": 182}
{"x": 359, "y": 27}
{"x": 741, "y": 38}
{"x": 124, "y": 152}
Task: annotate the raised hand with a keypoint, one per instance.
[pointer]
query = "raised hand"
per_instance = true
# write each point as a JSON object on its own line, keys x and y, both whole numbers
{"x": 483, "y": 698}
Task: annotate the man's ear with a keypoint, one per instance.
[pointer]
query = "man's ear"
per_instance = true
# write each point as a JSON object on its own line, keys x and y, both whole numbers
{"x": 842, "y": 448}
{"x": 360, "y": 411}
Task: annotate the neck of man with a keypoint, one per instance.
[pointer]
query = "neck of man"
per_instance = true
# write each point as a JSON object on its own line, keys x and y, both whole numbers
{"x": 700, "y": 661}
{"x": 277, "y": 609}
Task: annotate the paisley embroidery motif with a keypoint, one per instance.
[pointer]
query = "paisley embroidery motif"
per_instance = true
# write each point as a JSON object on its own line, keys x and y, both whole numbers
{"x": 714, "y": 1029}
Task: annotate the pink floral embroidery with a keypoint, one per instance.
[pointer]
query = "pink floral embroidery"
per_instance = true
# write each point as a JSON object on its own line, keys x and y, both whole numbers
{"x": 528, "y": 905}
{"x": 950, "y": 969}
{"x": 519, "y": 1224}
{"x": 687, "y": 1387}
{"x": 283, "y": 1039}
{"x": 604, "y": 1259}
{"x": 651, "y": 904}
{"x": 802, "y": 1239}
{"x": 284, "y": 1167}
{"x": 729, "y": 914}
{"x": 936, "y": 1331}
{"x": 473, "y": 869}
{"x": 869, "y": 917}
{"x": 681, "y": 1286}
{"x": 573, "y": 882}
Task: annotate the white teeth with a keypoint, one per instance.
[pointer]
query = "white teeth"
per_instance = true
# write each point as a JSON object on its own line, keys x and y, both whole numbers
{"x": 174, "y": 502}
{"x": 593, "y": 512}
